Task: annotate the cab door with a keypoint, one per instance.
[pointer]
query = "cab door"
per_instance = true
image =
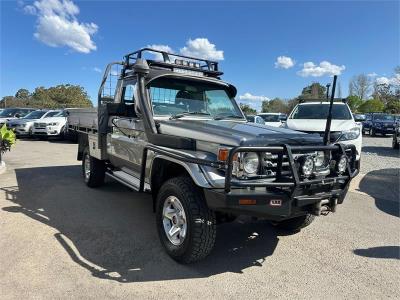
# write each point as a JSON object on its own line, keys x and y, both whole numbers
{"x": 126, "y": 141}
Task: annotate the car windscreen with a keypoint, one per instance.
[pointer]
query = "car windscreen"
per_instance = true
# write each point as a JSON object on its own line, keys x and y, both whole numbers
{"x": 52, "y": 114}
{"x": 35, "y": 115}
{"x": 383, "y": 117}
{"x": 271, "y": 118}
{"x": 8, "y": 112}
{"x": 250, "y": 118}
{"x": 320, "y": 111}
{"x": 171, "y": 96}
{"x": 60, "y": 114}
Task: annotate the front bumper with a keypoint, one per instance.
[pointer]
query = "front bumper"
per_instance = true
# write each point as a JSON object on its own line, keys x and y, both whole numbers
{"x": 384, "y": 130}
{"x": 46, "y": 131}
{"x": 283, "y": 198}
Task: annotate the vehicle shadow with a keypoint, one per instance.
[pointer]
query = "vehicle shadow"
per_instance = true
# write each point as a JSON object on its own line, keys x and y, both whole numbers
{"x": 383, "y": 186}
{"x": 111, "y": 231}
{"x": 381, "y": 151}
{"x": 380, "y": 252}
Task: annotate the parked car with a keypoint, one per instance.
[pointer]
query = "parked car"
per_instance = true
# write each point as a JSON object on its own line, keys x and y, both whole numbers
{"x": 174, "y": 129}
{"x": 273, "y": 119}
{"x": 255, "y": 119}
{"x": 396, "y": 136}
{"x": 379, "y": 123}
{"x": 310, "y": 117}
{"x": 51, "y": 127}
{"x": 9, "y": 114}
{"x": 24, "y": 126}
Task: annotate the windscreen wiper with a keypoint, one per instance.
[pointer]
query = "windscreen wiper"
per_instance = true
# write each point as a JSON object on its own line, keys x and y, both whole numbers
{"x": 228, "y": 117}
{"x": 198, "y": 113}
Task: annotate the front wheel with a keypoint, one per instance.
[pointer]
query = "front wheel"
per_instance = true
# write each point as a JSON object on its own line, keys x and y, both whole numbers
{"x": 186, "y": 226}
{"x": 395, "y": 143}
{"x": 93, "y": 170}
{"x": 295, "y": 224}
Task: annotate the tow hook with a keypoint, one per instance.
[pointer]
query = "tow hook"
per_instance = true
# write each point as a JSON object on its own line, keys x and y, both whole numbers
{"x": 324, "y": 207}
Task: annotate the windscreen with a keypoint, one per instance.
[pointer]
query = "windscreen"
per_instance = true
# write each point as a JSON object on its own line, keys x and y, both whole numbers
{"x": 8, "y": 112}
{"x": 35, "y": 115}
{"x": 171, "y": 96}
{"x": 271, "y": 118}
{"x": 52, "y": 114}
{"x": 60, "y": 114}
{"x": 320, "y": 111}
{"x": 250, "y": 119}
{"x": 384, "y": 117}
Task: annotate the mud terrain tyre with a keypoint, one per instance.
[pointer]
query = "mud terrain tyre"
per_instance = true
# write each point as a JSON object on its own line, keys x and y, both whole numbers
{"x": 295, "y": 224}
{"x": 186, "y": 226}
{"x": 93, "y": 170}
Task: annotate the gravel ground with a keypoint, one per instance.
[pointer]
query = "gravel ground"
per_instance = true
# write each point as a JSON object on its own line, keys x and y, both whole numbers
{"x": 377, "y": 154}
{"x": 60, "y": 239}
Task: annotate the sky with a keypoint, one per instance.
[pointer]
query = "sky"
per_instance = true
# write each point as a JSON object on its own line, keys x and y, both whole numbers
{"x": 266, "y": 49}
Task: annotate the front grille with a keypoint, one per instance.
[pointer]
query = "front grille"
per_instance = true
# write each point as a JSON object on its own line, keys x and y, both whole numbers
{"x": 39, "y": 125}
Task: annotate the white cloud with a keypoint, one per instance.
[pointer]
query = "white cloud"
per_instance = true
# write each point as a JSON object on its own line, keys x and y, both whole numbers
{"x": 284, "y": 62}
{"x": 250, "y": 97}
{"x": 373, "y": 74}
{"x": 57, "y": 25}
{"x": 395, "y": 80}
{"x": 202, "y": 48}
{"x": 98, "y": 70}
{"x": 323, "y": 69}
{"x": 158, "y": 56}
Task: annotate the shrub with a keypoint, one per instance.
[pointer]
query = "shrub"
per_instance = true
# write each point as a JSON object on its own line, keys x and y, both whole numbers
{"x": 7, "y": 139}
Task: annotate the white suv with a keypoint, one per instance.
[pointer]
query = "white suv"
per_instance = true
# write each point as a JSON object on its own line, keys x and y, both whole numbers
{"x": 53, "y": 126}
{"x": 310, "y": 117}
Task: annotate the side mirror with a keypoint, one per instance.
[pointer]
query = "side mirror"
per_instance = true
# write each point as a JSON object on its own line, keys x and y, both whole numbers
{"x": 18, "y": 115}
{"x": 359, "y": 119}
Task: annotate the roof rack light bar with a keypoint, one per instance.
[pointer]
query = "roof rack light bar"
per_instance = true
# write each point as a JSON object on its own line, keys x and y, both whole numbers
{"x": 208, "y": 65}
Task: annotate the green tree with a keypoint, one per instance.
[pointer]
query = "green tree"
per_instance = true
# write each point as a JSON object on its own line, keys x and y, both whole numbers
{"x": 247, "y": 110}
{"x": 372, "y": 105}
{"x": 393, "y": 106}
{"x": 22, "y": 94}
{"x": 354, "y": 102}
{"x": 275, "y": 105}
{"x": 313, "y": 91}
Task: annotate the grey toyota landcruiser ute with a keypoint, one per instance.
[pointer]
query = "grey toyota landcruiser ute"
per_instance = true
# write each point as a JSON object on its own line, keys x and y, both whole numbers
{"x": 171, "y": 127}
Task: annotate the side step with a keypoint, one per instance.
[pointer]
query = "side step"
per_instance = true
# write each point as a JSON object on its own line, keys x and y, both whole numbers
{"x": 124, "y": 178}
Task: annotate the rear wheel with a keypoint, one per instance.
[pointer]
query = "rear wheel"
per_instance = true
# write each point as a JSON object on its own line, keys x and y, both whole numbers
{"x": 93, "y": 170}
{"x": 186, "y": 226}
{"x": 295, "y": 224}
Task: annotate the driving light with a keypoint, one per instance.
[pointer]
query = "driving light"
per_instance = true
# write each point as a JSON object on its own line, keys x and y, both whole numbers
{"x": 342, "y": 164}
{"x": 351, "y": 134}
{"x": 307, "y": 165}
{"x": 250, "y": 162}
{"x": 319, "y": 159}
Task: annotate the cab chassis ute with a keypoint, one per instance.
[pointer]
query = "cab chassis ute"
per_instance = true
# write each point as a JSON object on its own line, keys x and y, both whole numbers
{"x": 198, "y": 157}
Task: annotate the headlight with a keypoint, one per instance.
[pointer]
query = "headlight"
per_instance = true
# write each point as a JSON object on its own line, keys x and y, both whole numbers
{"x": 251, "y": 163}
{"x": 319, "y": 159}
{"x": 378, "y": 124}
{"x": 351, "y": 134}
{"x": 307, "y": 165}
{"x": 341, "y": 164}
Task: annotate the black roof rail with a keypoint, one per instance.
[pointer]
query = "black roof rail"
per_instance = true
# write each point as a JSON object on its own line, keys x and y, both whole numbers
{"x": 205, "y": 66}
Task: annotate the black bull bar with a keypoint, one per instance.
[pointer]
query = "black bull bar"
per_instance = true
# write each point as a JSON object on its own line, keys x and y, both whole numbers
{"x": 340, "y": 150}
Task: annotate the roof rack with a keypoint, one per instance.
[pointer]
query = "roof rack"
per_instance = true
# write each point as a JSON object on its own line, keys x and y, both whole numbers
{"x": 205, "y": 66}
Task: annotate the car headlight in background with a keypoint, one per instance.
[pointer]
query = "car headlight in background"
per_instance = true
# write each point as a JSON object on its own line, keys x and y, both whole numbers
{"x": 53, "y": 124}
{"x": 251, "y": 162}
{"x": 351, "y": 134}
